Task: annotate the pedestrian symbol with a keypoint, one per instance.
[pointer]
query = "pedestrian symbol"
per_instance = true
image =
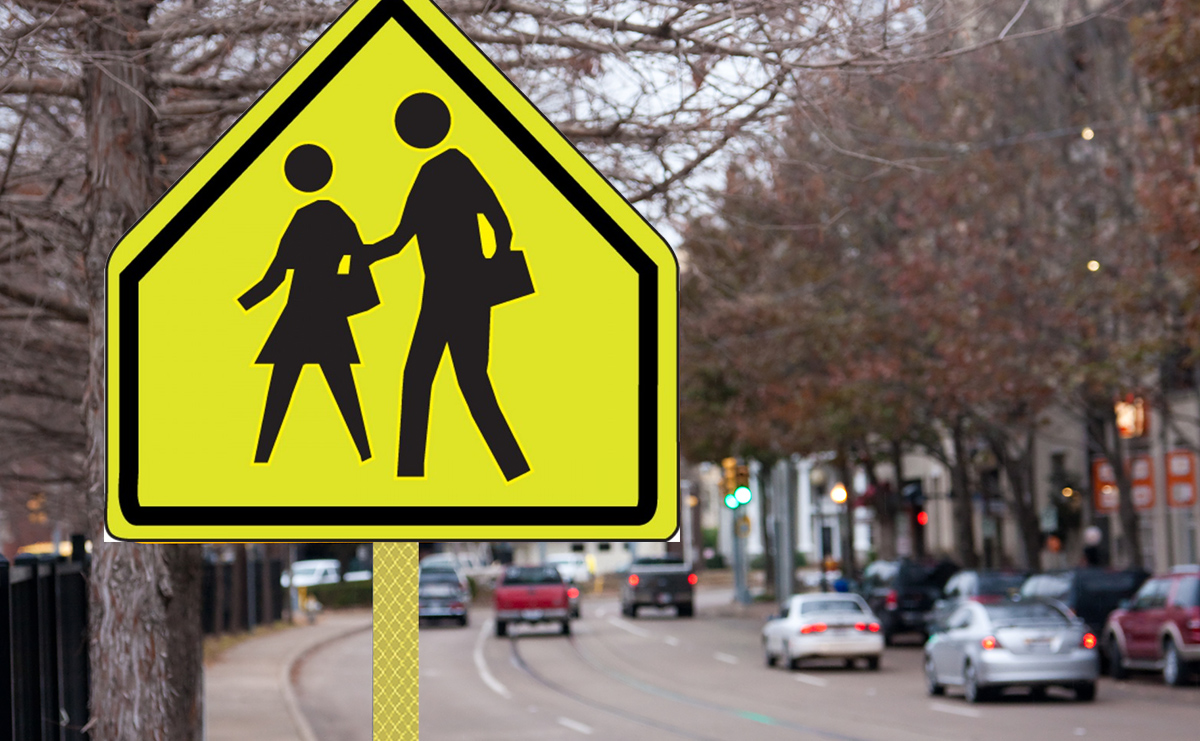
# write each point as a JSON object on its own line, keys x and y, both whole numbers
{"x": 392, "y": 302}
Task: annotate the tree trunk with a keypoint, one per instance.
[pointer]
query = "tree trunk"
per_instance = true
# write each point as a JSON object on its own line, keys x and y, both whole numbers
{"x": 964, "y": 511}
{"x": 1018, "y": 469}
{"x": 766, "y": 533}
{"x": 846, "y": 471}
{"x": 144, "y": 600}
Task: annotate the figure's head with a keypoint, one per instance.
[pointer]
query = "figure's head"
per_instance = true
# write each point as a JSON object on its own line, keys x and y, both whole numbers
{"x": 308, "y": 168}
{"x": 422, "y": 120}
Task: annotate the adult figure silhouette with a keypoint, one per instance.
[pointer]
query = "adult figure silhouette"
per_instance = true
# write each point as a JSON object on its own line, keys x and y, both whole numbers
{"x": 442, "y": 212}
{"x": 320, "y": 247}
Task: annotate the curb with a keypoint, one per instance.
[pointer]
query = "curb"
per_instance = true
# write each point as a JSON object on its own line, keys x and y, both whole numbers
{"x": 285, "y": 678}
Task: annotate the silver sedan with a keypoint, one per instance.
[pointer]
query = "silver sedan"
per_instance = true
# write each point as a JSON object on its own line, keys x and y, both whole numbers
{"x": 823, "y": 626}
{"x": 1031, "y": 643}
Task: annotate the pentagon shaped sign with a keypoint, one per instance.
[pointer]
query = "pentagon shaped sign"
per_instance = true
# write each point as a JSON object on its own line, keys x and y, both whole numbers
{"x": 392, "y": 303}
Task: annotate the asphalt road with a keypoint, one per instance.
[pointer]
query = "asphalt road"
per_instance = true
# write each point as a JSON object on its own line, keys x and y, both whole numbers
{"x": 333, "y": 688}
{"x": 660, "y": 677}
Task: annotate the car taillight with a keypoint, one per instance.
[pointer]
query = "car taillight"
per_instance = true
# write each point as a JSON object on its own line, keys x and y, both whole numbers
{"x": 1089, "y": 641}
{"x": 860, "y": 626}
{"x": 873, "y": 627}
{"x": 633, "y": 580}
{"x": 989, "y": 643}
{"x": 573, "y": 593}
{"x": 892, "y": 601}
{"x": 814, "y": 628}
{"x": 692, "y": 579}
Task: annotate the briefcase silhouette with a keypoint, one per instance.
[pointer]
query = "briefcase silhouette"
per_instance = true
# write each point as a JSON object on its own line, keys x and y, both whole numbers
{"x": 508, "y": 277}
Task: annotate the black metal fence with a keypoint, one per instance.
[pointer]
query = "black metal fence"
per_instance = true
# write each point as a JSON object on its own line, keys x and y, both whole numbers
{"x": 43, "y": 649}
{"x": 236, "y": 596}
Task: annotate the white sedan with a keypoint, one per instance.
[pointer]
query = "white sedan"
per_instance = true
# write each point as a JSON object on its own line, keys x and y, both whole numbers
{"x": 827, "y": 625}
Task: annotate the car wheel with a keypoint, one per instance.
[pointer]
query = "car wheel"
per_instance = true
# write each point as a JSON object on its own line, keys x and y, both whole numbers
{"x": 931, "y": 683}
{"x": 566, "y": 627}
{"x": 793, "y": 662}
{"x": 873, "y": 663}
{"x": 768, "y": 656}
{"x": 848, "y": 663}
{"x": 971, "y": 689}
{"x": 1175, "y": 672}
{"x": 1116, "y": 667}
{"x": 1085, "y": 692}
{"x": 501, "y": 628}
{"x": 686, "y": 610}
{"x": 462, "y": 621}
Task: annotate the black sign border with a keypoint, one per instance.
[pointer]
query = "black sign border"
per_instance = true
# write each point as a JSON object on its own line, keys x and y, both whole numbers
{"x": 139, "y": 515}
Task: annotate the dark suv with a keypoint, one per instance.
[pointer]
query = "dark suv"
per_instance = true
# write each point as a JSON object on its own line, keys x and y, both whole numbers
{"x": 1092, "y": 593}
{"x": 984, "y": 586}
{"x": 902, "y": 592}
{"x": 1159, "y": 629}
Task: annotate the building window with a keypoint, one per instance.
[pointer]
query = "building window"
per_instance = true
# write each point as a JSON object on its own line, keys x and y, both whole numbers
{"x": 604, "y": 546}
{"x": 577, "y": 547}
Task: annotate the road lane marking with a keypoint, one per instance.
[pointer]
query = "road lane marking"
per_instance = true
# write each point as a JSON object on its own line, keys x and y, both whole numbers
{"x": 575, "y": 725}
{"x": 671, "y": 641}
{"x": 481, "y": 665}
{"x": 810, "y": 679}
{"x": 727, "y": 658}
{"x": 942, "y": 707}
{"x": 630, "y": 627}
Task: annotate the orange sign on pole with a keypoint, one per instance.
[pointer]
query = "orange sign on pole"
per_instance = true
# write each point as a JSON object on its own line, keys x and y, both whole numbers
{"x": 1181, "y": 478}
{"x": 1141, "y": 475}
{"x": 1104, "y": 486}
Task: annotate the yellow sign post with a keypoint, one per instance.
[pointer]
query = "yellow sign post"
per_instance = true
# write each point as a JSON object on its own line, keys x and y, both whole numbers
{"x": 392, "y": 303}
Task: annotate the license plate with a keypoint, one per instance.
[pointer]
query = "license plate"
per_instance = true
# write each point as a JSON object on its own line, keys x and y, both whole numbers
{"x": 664, "y": 599}
{"x": 1040, "y": 645}
{"x": 532, "y": 614}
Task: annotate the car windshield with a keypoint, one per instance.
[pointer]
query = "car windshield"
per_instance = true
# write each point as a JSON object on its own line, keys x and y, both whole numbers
{"x": 829, "y": 605}
{"x": 1188, "y": 594}
{"x": 532, "y": 575}
{"x": 1025, "y": 613}
{"x": 1125, "y": 582}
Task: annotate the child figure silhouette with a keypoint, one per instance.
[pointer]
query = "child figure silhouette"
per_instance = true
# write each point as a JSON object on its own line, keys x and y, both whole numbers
{"x": 331, "y": 281}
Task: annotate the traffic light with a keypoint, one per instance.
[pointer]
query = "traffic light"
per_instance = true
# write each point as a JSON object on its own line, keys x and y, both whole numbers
{"x": 736, "y": 483}
{"x": 913, "y": 491}
{"x": 742, "y": 492}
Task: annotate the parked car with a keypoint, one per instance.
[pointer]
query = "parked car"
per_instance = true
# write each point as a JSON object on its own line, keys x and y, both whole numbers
{"x": 1030, "y": 642}
{"x": 825, "y": 626}
{"x": 658, "y": 581}
{"x": 531, "y": 594}
{"x": 572, "y": 566}
{"x": 440, "y": 594}
{"x": 1159, "y": 629}
{"x": 444, "y": 566}
{"x": 1090, "y": 592}
{"x": 977, "y": 585}
{"x": 902, "y": 592}
{"x": 312, "y": 572}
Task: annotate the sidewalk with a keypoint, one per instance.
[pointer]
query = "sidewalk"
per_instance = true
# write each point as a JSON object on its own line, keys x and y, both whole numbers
{"x": 247, "y": 690}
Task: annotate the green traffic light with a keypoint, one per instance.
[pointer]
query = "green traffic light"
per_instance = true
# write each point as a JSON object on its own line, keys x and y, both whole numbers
{"x": 743, "y": 495}
{"x": 731, "y": 501}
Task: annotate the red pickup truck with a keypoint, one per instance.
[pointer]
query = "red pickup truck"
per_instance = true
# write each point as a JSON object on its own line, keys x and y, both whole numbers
{"x": 531, "y": 594}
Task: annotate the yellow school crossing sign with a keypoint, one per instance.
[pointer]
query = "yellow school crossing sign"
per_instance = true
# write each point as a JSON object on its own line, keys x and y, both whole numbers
{"x": 392, "y": 302}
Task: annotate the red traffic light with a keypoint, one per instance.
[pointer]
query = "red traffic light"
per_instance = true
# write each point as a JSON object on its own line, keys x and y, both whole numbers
{"x": 922, "y": 518}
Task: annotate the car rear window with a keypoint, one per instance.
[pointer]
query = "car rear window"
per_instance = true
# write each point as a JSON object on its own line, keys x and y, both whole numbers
{"x": 438, "y": 577}
{"x": 829, "y": 605}
{"x": 1125, "y": 582}
{"x": 532, "y": 575}
{"x": 657, "y": 560}
{"x": 1000, "y": 583}
{"x": 1020, "y": 613}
